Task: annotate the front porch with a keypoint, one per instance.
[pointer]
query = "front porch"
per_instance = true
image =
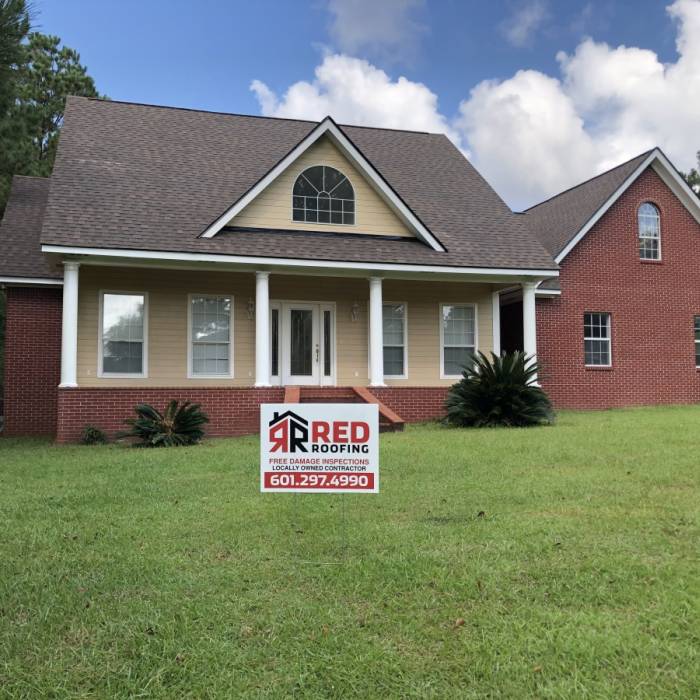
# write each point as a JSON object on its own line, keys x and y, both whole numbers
{"x": 232, "y": 339}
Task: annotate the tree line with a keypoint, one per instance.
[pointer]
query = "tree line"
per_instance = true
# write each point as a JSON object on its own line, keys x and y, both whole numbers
{"x": 37, "y": 72}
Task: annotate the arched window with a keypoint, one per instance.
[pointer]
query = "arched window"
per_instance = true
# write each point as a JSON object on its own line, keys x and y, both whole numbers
{"x": 323, "y": 195}
{"x": 649, "y": 232}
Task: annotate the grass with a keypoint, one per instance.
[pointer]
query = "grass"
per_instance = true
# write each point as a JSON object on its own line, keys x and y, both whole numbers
{"x": 557, "y": 562}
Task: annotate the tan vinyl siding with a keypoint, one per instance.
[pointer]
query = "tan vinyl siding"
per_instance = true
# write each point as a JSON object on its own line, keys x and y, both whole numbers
{"x": 423, "y": 300}
{"x": 168, "y": 292}
{"x": 167, "y": 323}
{"x": 273, "y": 207}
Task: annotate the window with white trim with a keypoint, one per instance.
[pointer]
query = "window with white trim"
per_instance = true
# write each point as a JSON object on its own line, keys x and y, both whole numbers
{"x": 596, "y": 339}
{"x": 323, "y": 195}
{"x": 122, "y": 334}
{"x": 458, "y": 334}
{"x": 697, "y": 341}
{"x": 210, "y": 335}
{"x": 649, "y": 223}
{"x": 394, "y": 332}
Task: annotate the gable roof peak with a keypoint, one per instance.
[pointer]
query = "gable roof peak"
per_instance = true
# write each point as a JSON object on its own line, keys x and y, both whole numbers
{"x": 561, "y": 221}
{"x": 585, "y": 182}
{"x": 345, "y": 144}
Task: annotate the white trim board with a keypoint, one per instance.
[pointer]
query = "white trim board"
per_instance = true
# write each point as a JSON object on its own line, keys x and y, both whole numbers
{"x": 31, "y": 281}
{"x": 666, "y": 171}
{"x": 271, "y": 263}
{"x": 329, "y": 128}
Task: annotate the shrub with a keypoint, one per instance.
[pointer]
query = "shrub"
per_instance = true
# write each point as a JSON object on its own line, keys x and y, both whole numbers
{"x": 177, "y": 426}
{"x": 92, "y": 436}
{"x": 498, "y": 391}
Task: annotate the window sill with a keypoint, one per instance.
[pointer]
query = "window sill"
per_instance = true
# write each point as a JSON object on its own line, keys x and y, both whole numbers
{"x": 651, "y": 262}
{"x": 598, "y": 368}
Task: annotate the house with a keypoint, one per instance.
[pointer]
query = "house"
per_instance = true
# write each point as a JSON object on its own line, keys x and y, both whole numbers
{"x": 230, "y": 260}
{"x": 235, "y": 260}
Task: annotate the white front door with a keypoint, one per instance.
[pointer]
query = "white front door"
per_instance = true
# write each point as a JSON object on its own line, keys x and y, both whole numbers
{"x": 307, "y": 343}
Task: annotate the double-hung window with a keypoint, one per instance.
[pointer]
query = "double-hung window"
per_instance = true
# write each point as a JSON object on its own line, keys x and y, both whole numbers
{"x": 210, "y": 336}
{"x": 596, "y": 340}
{"x": 122, "y": 335}
{"x": 697, "y": 341}
{"x": 458, "y": 338}
{"x": 394, "y": 327}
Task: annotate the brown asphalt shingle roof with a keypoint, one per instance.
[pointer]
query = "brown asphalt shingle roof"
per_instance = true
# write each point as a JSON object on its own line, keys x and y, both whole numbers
{"x": 20, "y": 251}
{"x": 557, "y": 220}
{"x": 144, "y": 177}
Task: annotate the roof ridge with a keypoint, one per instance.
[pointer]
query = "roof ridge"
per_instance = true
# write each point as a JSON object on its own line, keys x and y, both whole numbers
{"x": 255, "y": 116}
{"x": 590, "y": 179}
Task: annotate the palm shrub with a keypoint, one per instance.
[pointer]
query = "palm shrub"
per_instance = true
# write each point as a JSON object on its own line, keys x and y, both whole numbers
{"x": 178, "y": 425}
{"x": 498, "y": 391}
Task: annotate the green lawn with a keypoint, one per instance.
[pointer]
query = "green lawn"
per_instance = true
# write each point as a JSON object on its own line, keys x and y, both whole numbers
{"x": 558, "y": 562}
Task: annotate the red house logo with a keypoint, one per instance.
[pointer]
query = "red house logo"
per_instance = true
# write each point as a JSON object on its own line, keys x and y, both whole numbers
{"x": 288, "y": 432}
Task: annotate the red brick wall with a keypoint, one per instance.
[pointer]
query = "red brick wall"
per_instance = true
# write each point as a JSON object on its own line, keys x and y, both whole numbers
{"x": 233, "y": 411}
{"x": 413, "y": 404}
{"x": 32, "y": 360}
{"x": 652, "y": 305}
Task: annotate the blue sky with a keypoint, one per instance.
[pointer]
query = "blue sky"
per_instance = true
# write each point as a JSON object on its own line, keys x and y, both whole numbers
{"x": 206, "y": 55}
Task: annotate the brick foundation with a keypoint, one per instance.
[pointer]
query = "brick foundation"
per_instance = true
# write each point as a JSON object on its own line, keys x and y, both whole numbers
{"x": 32, "y": 360}
{"x": 414, "y": 404}
{"x": 652, "y": 305}
{"x": 233, "y": 411}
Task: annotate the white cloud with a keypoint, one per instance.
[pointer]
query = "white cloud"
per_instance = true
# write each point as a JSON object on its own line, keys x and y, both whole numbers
{"x": 525, "y": 136}
{"x": 354, "y": 91}
{"x": 388, "y": 28}
{"x": 531, "y": 135}
{"x": 522, "y": 25}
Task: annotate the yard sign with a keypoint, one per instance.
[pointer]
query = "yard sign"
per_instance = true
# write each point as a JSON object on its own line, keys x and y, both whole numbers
{"x": 319, "y": 448}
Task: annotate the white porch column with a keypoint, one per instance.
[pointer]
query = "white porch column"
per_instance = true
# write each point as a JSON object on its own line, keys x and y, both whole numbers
{"x": 496, "y": 322}
{"x": 376, "y": 333}
{"x": 262, "y": 329}
{"x": 529, "y": 320}
{"x": 69, "y": 331}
